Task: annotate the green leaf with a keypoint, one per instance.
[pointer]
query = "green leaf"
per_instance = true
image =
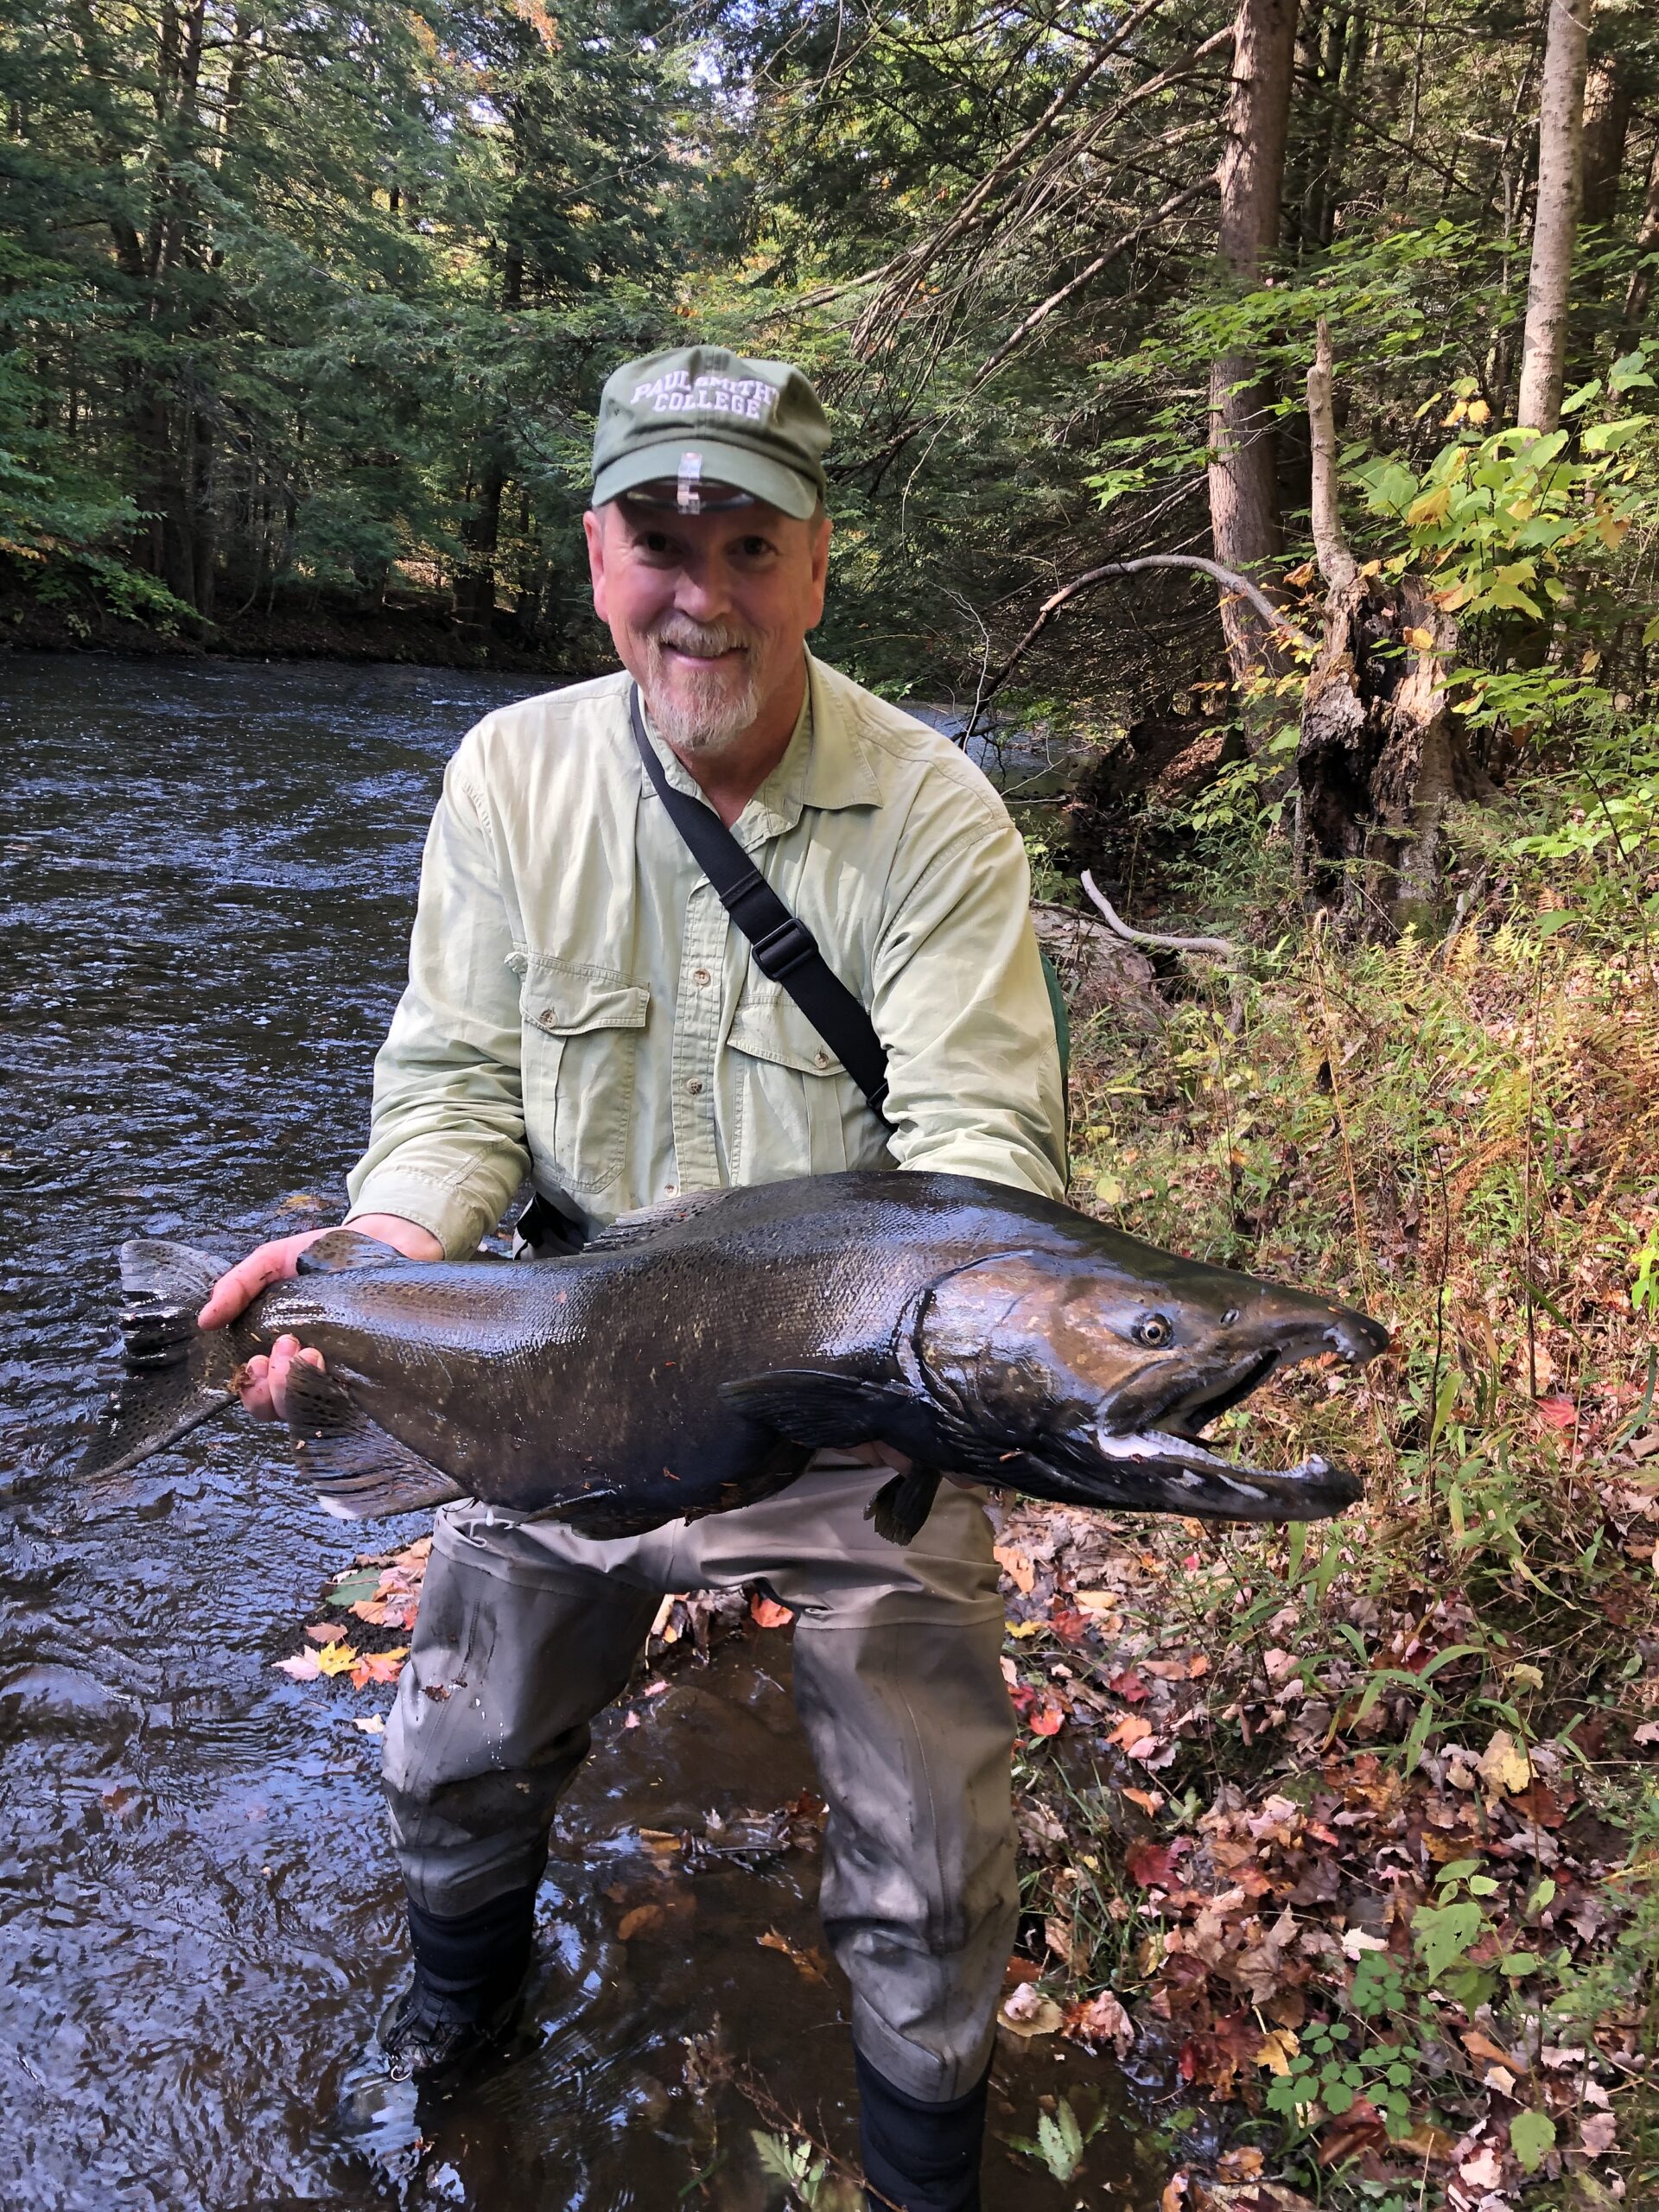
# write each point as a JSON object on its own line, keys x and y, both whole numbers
{"x": 1582, "y": 397}
{"x": 1442, "y": 1934}
{"x": 1531, "y": 2135}
{"x": 1627, "y": 373}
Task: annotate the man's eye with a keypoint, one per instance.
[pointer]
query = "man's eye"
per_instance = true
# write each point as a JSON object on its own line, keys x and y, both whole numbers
{"x": 754, "y": 548}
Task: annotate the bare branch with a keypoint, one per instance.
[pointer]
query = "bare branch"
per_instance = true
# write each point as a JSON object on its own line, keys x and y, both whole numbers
{"x": 1336, "y": 564}
{"x": 1052, "y": 605}
{"x": 1222, "y": 947}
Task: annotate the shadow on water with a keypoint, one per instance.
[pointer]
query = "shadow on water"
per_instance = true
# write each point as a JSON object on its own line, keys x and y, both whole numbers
{"x": 209, "y": 874}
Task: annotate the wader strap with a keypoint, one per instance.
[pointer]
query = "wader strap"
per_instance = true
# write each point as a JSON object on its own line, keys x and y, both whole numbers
{"x": 786, "y": 950}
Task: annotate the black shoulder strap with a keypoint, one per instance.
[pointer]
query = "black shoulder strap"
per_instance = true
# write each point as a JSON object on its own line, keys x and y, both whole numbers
{"x": 785, "y": 949}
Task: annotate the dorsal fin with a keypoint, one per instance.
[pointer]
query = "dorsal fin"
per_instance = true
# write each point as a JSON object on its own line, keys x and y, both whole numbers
{"x": 646, "y": 1222}
{"x": 344, "y": 1249}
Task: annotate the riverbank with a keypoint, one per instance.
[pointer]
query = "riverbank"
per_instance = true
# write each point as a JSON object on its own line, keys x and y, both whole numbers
{"x": 335, "y": 628}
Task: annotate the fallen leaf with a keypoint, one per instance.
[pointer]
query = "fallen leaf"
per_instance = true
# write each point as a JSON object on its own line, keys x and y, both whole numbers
{"x": 767, "y": 1613}
{"x": 640, "y": 1920}
{"x": 1149, "y": 1800}
{"x": 811, "y": 1965}
{"x": 1357, "y": 1940}
{"x": 1598, "y": 2135}
{"x": 1478, "y": 2044}
{"x": 1358, "y": 2129}
{"x": 305, "y": 1667}
{"x": 302, "y": 1202}
{"x": 1016, "y": 1566}
{"x": 1028, "y": 2012}
{"x": 1556, "y": 1412}
{"x": 1153, "y": 1864}
{"x": 371, "y": 1724}
{"x": 336, "y": 1659}
{"x": 1017, "y": 1970}
{"x": 1057, "y": 1935}
{"x": 383, "y": 1667}
{"x": 326, "y": 1633}
{"x": 1419, "y": 640}
{"x": 1127, "y": 1685}
{"x": 1432, "y": 2144}
{"x": 1174, "y": 2194}
{"x": 1500, "y": 2078}
{"x": 1243, "y": 2163}
{"x": 1102, "y": 2019}
{"x": 1278, "y": 2047}
{"x": 1503, "y": 1766}
{"x": 1048, "y": 1719}
{"x": 1484, "y": 2170}
{"x": 1131, "y": 1730}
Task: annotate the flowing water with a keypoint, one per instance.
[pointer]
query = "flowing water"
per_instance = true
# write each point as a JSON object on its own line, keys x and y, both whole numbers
{"x": 209, "y": 872}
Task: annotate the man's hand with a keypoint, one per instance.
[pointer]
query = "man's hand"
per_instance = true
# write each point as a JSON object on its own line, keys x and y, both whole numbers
{"x": 262, "y": 1383}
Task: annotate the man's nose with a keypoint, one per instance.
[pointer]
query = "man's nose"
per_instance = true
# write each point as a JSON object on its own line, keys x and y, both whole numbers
{"x": 703, "y": 592}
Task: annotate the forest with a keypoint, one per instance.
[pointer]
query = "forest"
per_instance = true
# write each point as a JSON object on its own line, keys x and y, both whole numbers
{"x": 1247, "y": 427}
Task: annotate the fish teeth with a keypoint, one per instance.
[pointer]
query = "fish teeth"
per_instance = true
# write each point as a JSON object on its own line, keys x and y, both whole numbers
{"x": 1158, "y": 1444}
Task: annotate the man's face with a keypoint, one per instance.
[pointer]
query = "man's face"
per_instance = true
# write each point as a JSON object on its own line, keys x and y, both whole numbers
{"x": 708, "y": 612}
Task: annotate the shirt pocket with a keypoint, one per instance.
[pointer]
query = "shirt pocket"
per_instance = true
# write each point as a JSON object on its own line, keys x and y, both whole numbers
{"x": 582, "y": 1028}
{"x": 793, "y": 1107}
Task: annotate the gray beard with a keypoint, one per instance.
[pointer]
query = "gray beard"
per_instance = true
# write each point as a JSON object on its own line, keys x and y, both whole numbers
{"x": 702, "y": 716}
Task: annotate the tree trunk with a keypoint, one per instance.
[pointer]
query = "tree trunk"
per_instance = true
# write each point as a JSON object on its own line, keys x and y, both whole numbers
{"x": 1243, "y": 490}
{"x": 1609, "y": 104}
{"x": 1647, "y": 244}
{"x": 1380, "y": 758}
{"x": 1561, "y": 185}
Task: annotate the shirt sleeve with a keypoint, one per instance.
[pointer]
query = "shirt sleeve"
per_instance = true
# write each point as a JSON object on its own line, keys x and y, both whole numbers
{"x": 447, "y": 1137}
{"x": 974, "y": 1083}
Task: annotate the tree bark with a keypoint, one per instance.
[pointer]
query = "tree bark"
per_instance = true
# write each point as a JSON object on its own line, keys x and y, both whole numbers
{"x": 1609, "y": 104}
{"x": 1379, "y": 759}
{"x": 1244, "y": 518}
{"x": 1560, "y": 189}
{"x": 1647, "y": 244}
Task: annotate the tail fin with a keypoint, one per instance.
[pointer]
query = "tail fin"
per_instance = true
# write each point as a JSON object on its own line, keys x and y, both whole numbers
{"x": 177, "y": 1374}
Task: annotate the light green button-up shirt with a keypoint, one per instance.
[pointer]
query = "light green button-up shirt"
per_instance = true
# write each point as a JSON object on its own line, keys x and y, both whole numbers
{"x": 581, "y": 1008}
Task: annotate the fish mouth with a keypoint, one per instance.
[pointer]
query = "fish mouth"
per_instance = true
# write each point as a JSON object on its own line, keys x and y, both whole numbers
{"x": 1190, "y": 1416}
{"x": 1183, "y": 1475}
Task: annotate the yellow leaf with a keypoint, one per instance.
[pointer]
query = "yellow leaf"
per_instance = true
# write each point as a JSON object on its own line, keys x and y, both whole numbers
{"x": 1460, "y": 409}
{"x": 1452, "y": 597}
{"x": 1429, "y": 506}
{"x": 1015, "y": 1565}
{"x": 1300, "y": 576}
{"x": 1371, "y": 568}
{"x": 1277, "y": 2051}
{"x": 1419, "y": 641}
{"x": 1023, "y": 1629}
{"x": 1479, "y": 412}
{"x": 336, "y": 1659}
{"x": 1503, "y": 1766}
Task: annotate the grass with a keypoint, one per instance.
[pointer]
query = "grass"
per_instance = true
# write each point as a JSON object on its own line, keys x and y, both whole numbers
{"x": 1383, "y": 1902}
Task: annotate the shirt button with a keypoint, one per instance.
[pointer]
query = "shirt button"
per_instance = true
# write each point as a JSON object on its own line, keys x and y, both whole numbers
{"x": 693, "y": 1084}
{"x": 701, "y": 975}
{"x": 820, "y": 1059}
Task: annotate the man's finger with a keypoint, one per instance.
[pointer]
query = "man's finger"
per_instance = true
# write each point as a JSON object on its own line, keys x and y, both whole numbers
{"x": 241, "y": 1285}
{"x": 253, "y": 1388}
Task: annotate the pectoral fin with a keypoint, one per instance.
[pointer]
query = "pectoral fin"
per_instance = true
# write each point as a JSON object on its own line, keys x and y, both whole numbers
{"x": 358, "y": 1469}
{"x": 899, "y": 1508}
{"x": 812, "y": 1406}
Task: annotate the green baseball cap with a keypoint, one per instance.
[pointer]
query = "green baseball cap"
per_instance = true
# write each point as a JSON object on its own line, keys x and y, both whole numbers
{"x": 699, "y": 418}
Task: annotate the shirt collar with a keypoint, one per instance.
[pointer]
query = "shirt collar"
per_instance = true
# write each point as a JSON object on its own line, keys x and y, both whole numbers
{"x": 825, "y": 765}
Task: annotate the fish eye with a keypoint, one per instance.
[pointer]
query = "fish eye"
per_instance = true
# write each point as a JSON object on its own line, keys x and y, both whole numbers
{"x": 1153, "y": 1330}
{"x": 1230, "y": 1317}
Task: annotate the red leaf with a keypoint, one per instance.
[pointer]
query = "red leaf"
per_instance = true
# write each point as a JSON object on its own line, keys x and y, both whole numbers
{"x": 768, "y": 1613}
{"x": 1153, "y": 1864}
{"x": 1049, "y": 1719}
{"x": 1557, "y": 1411}
{"x": 1128, "y": 1685}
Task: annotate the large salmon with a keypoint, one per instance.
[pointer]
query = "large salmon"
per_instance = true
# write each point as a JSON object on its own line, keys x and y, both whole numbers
{"x": 691, "y": 1358}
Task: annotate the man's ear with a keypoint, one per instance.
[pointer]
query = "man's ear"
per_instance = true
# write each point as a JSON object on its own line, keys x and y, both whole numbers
{"x": 820, "y": 530}
{"x": 593, "y": 527}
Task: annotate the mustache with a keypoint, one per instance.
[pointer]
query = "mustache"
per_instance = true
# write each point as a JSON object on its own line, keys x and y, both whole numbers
{"x": 705, "y": 638}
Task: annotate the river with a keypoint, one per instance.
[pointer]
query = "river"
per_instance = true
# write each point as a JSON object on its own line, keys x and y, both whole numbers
{"x": 209, "y": 875}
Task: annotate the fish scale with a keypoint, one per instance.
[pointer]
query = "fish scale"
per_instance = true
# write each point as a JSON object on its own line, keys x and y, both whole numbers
{"x": 693, "y": 1357}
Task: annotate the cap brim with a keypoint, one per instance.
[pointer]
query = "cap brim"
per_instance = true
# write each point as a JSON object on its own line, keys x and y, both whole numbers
{"x": 722, "y": 463}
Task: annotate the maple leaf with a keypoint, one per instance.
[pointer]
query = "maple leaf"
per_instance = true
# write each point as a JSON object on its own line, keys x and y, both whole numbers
{"x": 1048, "y": 1719}
{"x": 766, "y": 1612}
{"x": 1503, "y": 1766}
{"x": 1148, "y": 1800}
{"x": 1127, "y": 1685}
{"x": 336, "y": 1659}
{"x": 304, "y": 1667}
{"x": 1278, "y": 2047}
{"x": 1133, "y": 1728}
{"x": 1153, "y": 1864}
{"x": 379, "y": 1666}
{"x": 1556, "y": 1412}
{"x": 1598, "y": 2135}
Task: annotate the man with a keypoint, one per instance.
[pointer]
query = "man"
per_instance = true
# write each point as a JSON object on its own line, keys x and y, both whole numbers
{"x": 581, "y": 1006}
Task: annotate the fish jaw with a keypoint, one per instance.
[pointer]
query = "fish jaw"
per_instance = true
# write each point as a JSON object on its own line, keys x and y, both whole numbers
{"x": 1186, "y": 1477}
